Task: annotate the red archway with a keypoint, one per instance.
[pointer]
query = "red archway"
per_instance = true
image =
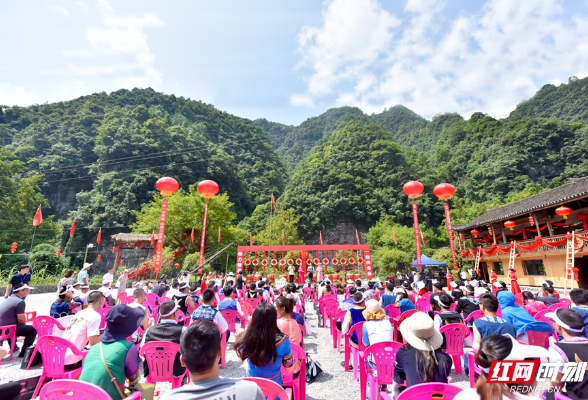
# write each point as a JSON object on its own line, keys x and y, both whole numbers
{"x": 274, "y": 257}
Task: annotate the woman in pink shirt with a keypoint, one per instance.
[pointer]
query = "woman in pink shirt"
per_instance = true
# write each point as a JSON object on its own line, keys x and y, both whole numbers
{"x": 531, "y": 305}
{"x": 287, "y": 324}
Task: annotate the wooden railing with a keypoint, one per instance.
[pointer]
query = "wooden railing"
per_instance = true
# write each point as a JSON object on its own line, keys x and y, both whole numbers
{"x": 547, "y": 249}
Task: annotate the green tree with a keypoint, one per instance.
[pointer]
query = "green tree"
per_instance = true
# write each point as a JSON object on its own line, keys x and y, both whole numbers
{"x": 283, "y": 221}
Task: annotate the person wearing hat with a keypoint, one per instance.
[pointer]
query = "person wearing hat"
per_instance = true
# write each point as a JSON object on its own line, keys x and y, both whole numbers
{"x": 354, "y": 315}
{"x": 194, "y": 293}
{"x": 109, "y": 276}
{"x": 468, "y": 303}
{"x": 64, "y": 305}
{"x": 402, "y": 300}
{"x": 83, "y": 277}
{"x": 115, "y": 353}
{"x": 500, "y": 347}
{"x": 377, "y": 327}
{"x": 420, "y": 360}
{"x": 183, "y": 299}
{"x": 547, "y": 289}
{"x": 455, "y": 292}
{"x": 167, "y": 330}
{"x": 107, "y": 292}
{"x": 446, "y": 316}
{"x": 12, "y": 312}
{"x": 437, "y": 291}
{"x": 572, "y": 348}
{"x": 422, "y": 288}
{"x": 23, "y": 276}
{"x": 519, "y": 317}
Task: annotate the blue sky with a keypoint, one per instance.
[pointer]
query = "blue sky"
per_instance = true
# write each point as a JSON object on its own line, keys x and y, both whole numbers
{"x": 289, "y": 60}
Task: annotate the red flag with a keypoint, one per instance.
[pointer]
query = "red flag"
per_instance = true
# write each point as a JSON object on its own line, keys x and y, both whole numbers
{"x": 192, "y": 235}
{"x": 38, "y": 218}
{"x": 274, "y": 202}
{"x": 283, "y": 240}
{"x": 99, "y": 238}
{"x": 423, "y": 239}
{"x": 321, "y": 237}
{"x": 394, "y": 235}
{"x": 219, "y": 234}
{"x": 73, "y": 228}
{"x": 250, "y": 239}
{"x": 152, "y": 239}
{"x": 357, "y": 237}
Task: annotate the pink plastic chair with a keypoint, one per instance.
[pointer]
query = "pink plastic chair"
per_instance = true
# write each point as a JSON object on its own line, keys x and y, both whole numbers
{"x": 53, "y": 350}
{"x": 475, "y": 315}
{"x": 339, "y": 316}
{"x": 103, "y": 312}
{"x": 554, "y": 307}
{"x": 130, "y": 299}
{"x": 231, "y": 317}
{"x": 298, "y": 384}
{"x": 383, "y": 355}
{"x": 44, "y": 325}
{"x": 299, "y": 309}
{"x": 455, "y": 335}
{"x": 324, "y": 306}
{"x": 71, "y": 389}
{"x": 453, "y": 306}
{"x": 271, "y": 390}
{"x": 474, "y": 368}
{"x": 332, "y": 309}
{"x": 537, "y": 338}
{"x": 181, "y": 317}
{"x": 254, "y": 302}
{"x": 122, "y": 297}
{"x": 303, "y": 330}
{"x": 160, "y": 358}
{"x": 427, "y": 391}
{"x": 247, "y": 310}
{"x": 152, "y": 299}
{"x": 540, "y": 316}
{"x": 310, "y": 294}
{"x": 397, "y": 321}
{"x": 427, "y": 296}
{"x": 9, "y": 332}
{"x": 164, "y": 299}
{"x": 31, "y": 315}
{"x": 423, "y": 305}
{"x": 565, "y": 303}
{"x": 392, "y": 312}
{"x": 351, "y": 349}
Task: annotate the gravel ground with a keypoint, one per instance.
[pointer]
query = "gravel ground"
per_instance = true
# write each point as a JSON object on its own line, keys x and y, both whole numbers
{"x": 319, "y": 345}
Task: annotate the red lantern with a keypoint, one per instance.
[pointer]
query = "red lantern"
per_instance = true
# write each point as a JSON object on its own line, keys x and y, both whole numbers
{"x": 13, "y": 247}
{"x": 58, "y": 253}
{"x": 444, "y": 191}
{"x": 490, "y": 230}
{"x": 177, "y": 265}
{"x": 413, "y": 189}
{"x": 532, "y": 220}
{"x": 208, "y": 189}
{"x": 113, "y": 250}
{"x": 510, "y": 224}
{"x": 167, "y": 186}
{"x": 475, "y": 232}
{"x": 563, "y": 211}
{"x": 97, "y": 257}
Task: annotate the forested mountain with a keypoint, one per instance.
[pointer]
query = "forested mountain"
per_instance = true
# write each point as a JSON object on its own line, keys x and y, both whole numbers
{"x": 566, "y": 101}
{"x": 404, "y": 125}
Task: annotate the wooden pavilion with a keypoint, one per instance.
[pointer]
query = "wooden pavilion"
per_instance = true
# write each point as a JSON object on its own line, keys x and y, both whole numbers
{"x": 538, "y": 228}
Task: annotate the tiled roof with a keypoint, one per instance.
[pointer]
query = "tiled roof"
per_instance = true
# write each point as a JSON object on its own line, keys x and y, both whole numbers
{"x": 576, "y": 189}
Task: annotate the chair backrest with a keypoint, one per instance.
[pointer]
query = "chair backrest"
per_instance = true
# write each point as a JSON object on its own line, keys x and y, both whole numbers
{"x": 152, "y": 299}
{"x": 270, "y": 389}
{"x": 566, "y": 303}
{"x": 540, "y": 316}
{"x": 358, "y": 329}
{"x": 31, "y": 315}
{"x": 164, "y": 299}
{"x": 71, "y": 389}
{"x": 299, "y": 309}
{"x": 455, "y": 335}
{"x": 427, "y": 296}
{"x": 383, "y": 355}
{"x": 309, "y": 293}
{"x": 131, "y": 299}
{"x": 340, "y": 316}
{"x": 7, "y": 332}
{"x": 44, "y": 325}
{"x": 53, "y": 350}
{"x": 122, "y": 296}
{"x": 231, "y": 317}
{"x": 327, "y": 303}
{"x": 537, "y": 338}
{"x": 475, "y": 315}
{"x": 430, "y": 391}
{"x": 453, "y": 306}
{"x": 254, "y": 302}
{"x": 332, "y": 309}
{"x": 247, "y": 308}
{"x": 302, "y": 329}
{"x": 393, "y": 312}
{"x": 423, "y": 305}
{"x": 406, "y": 314}
{"x": 160, "y": 358}
{"x": 554, "y": 307}
{"x": 181, "y": 317}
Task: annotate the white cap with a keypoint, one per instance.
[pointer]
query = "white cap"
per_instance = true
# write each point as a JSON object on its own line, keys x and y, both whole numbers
{"x": 87, "y": 265}
{"x": 25, "y": 286}
{"x": 464, "y": 289}
{"x": 544, "y": 283}
{"x": 105, "y": 281}
{"x": 475, "y": 283}
{"x": 497, "y": 284}
{"x": 421, "y": 285}
{"x": 453, "y": 284}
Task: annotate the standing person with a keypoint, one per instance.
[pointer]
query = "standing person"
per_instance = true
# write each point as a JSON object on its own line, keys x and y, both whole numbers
{"x": 514, "y": 286}
{"x": 109, "y": 276}
{"x": 301, "y": 274}
{"x": 122, "y": 282}
{"x": 420, "y": 360}
{"x": 319, "y": 273}
{"x": 463, "y": 275}
{"x": 83, "y": 277}
{"x": 519, "y": 317}
{"x": 12, "y": 312}
{"x": 573, "y": 348}
{"x": 23, "y": 277}
{"x": 67, "y": 279}
{"x": 291, "y": 272}
{"x": 119, "y": 355}
{"x": 186, "y": 277}
{"x": 84, "y": 327}
{"x": 449, "y": 279}
{"x": 201, "y": 352}
{"x": 493, "y": 276}
{"x": 415, "y": 280}
{"x": 240, "y": 281}
{"x": 265, "y": 348}
{"x": 310, "y": 271}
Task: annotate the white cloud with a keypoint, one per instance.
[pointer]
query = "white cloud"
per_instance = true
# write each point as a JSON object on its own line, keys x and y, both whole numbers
{"x": 59, "y": 10}
{"x": 485, "y": 61}
{"x": 17, "y": 95}
{"x": 83, "y": 5}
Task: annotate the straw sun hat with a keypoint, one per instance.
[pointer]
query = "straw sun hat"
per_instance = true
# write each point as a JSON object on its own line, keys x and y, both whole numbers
{"x": 418, "y": 331}
{"x": 373, "y": 310}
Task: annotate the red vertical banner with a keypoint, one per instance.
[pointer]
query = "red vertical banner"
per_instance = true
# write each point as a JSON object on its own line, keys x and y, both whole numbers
{"x": 239, "y": 261}
{"x": 203, "y": 238}
{"x": 160, "y": 233}
{"x": 417, "y": 242}
{"x": 450, "y": 235}
{"x": 368, "y": 264}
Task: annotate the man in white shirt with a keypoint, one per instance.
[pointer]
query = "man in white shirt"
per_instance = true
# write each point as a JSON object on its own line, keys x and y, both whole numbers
{"x": 140, "y": 298}
{"x": 174, "y": 289}
{"x": 109, "y": 276}
{"x": 84, "y": 327}
{"x": 185, "y": 277}
{"x": 105, "y": 290}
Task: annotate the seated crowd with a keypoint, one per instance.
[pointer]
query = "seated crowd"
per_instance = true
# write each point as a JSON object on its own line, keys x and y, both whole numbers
{"x": 501, "y": 326}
